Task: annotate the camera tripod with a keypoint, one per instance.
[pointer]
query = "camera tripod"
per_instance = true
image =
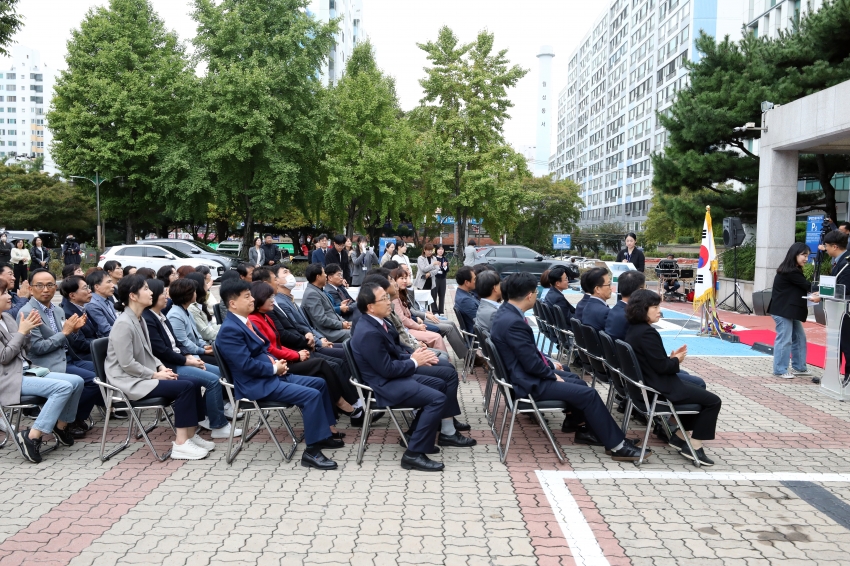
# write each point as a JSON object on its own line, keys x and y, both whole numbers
{"x": 735, "y": 295}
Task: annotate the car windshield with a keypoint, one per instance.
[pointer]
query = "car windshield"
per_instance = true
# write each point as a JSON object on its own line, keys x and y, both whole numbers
{"x": 174, "y": 251}
{"x": 204, "y": 247}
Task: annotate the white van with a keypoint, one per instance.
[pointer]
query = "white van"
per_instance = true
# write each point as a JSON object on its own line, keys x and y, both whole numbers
{"x": 230, "y": 247}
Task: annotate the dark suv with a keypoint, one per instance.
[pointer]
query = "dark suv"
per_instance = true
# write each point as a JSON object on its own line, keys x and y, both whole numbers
{"x": 514, "y": 259}
{"x": 193, "y": 248}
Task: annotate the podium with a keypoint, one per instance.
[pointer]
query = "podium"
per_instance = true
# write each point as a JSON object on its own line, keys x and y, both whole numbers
{"x": 832, "y": 383}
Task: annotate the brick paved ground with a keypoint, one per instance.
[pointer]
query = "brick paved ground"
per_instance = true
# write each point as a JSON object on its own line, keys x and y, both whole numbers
{"x": 73, "y": 509}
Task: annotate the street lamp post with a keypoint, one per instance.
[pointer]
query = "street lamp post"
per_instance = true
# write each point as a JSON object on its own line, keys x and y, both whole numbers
{"x": 97, "y": 180}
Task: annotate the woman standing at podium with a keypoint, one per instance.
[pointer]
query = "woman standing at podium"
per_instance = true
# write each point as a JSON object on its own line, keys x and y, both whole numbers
{"x": 631, "y": 253}
{"x": 789, "y": 310}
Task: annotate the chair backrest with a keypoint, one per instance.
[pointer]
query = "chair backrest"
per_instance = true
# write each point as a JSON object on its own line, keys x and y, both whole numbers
{"x": 98, "y": 357}
{"x": 219, "y": 312}
{"x": 483, "y": 336}
{"x": 460, "y": 320}
{"x": 548, "y": 321}
{"x": 591, "y": 341}
{"x": 608, "y": 350}
{"x": 498, "y": 366}
{"x": 349, "y": 356}
{"x": 631, "y": 370}
{"x": 578, "y": 333}
{"x": 535, "y": 308}
{"x": 222, "y": 365}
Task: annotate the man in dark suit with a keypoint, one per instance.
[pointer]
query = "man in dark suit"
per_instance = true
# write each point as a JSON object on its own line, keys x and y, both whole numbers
{"x": 343, "y": 303}
{"x": 257, "y": 375}
{"x": 320, "y": 253}
{"x": 271, "y": 253}
{"x": 532, "y": 374}
{"x": 75, "y": 296}
{"x": 395, "y": 380}
{"x": 465, "y": 301}
{"x": 596, "y": 282}
{"x": 339, "y": 255}
{"x": 835, "y": 243}
{"x": 558, "y": 282}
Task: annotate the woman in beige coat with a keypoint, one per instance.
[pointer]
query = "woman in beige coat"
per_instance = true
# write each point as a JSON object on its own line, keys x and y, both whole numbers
{"x": 132, "y": 368}
{"x": 400, "y": 307}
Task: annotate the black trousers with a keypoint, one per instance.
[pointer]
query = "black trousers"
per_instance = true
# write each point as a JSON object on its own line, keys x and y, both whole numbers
{"x": 429, "y": 395}
{"x": 445, "y": 372}
{"x": 185, "y": 395}
{"x": 704, "y": 424}
{"x": 20, "y": 271}
{"x": 317, "y": 367}
{"x": 337, "y": 362}
{"x": 438, "y": 293}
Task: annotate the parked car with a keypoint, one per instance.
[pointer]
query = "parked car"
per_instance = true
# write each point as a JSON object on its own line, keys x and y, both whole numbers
{"x": 49, "y": 239}
{"x": 193, "y": 248}
{"x": 156, "y": 256}
{"x": 513, "y": 259}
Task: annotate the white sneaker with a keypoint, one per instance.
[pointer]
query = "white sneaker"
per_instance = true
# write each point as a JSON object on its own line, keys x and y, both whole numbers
{"x": 785, "y": 375}
{"x": 205, "y": 424}
{"x": 803, "y": 373}
{"x": 228, "y": 412}
{"x": 224, "y": 432}
{"x": 187, "y": 451}
{"x": 205, "y": 444}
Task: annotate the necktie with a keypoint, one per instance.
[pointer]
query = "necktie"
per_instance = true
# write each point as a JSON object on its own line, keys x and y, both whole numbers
{"x": 385, "y": 326}
{"x": 254, "y": 332}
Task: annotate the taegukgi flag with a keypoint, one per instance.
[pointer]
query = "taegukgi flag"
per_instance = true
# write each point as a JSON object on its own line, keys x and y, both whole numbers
{"x": 707, "y": 266}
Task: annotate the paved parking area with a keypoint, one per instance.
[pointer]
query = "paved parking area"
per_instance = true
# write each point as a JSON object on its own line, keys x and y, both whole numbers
{"x": 779, "y": 494}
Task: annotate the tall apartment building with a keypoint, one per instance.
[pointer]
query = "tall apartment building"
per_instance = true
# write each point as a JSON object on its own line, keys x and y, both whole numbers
{"x": 766, "y": 18}
{"x": 26, "y": 87}
{"x": 628, "y": 67}
{"x": 350, "y": 14}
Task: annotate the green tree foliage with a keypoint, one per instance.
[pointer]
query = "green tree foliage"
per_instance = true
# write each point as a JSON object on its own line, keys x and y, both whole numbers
{"x": 123, "y": 95}
{"x": 258, "y": 120}
{"x": 469, "y": 170}
{"x": 371, "y": 163}
{"x": 10, "y": 23}
{"x": 30, "y": 199}
{"x": 549, "y": 207}
{"x": 727, "y": 87}
{"x": 660, "y": 228}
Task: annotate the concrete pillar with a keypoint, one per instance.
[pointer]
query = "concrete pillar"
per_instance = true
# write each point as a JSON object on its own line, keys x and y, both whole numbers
{"x": 777, "y": 211}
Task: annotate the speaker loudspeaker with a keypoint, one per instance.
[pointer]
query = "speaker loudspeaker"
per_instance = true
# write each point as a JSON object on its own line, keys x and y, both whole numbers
{"x": 733, "y": 231}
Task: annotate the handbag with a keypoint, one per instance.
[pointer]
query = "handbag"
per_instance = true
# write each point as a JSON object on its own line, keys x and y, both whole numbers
{"x": 36, "y": 371}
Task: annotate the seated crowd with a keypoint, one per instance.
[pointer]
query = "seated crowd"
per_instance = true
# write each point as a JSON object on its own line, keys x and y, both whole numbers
{"x": 161, "y": 329}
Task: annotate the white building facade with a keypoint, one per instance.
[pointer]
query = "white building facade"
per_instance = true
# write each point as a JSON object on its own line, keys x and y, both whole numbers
{"x": 26, "y": 87}
{"x": 350, "y": 15}
{"x": 766, "y": 18}
{"x": 628, "y": 67}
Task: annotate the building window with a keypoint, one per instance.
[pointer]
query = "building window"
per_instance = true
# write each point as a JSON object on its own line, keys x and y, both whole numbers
{"x": 37, "y": 88}
{"x": 11, "y": 76}
{"x": 36, "y": 77}
{"x": 11, "y": 109}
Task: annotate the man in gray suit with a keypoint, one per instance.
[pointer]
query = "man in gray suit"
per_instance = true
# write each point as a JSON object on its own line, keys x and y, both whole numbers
{"x": 488, "y": 287}
{"x": 319, "y": 308}
{"x": 50, "y": 348}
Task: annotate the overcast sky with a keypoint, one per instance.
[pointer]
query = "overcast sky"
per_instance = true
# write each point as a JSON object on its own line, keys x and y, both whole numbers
{"x": 395, "y": 27}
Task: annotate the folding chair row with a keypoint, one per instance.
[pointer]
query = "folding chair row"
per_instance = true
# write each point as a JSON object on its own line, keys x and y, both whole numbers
{"x": 471, "y": 344}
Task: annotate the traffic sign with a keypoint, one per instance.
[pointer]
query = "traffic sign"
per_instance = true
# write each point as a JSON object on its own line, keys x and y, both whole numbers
{"x": 561, "y": 241}
{"x": 814, "y": 227}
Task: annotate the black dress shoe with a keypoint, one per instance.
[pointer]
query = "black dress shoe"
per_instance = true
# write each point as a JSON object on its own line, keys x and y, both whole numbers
{"x": 421, "y": 462}
{"x": 318, "y": 461}
{"x": 703, "y": 459}
{"x": 585, "y": 436}
{"x": 76, "y": 431}
{"x": 569, "y": 426}
{"x": 457, "y": 439}
{"x": 330, "y": 442}
{"x": 63, "y": 435}
{"x": 459, "y": 426}
{"x": 338, "y": 435}
{"x": 636, "y": 443}
{"x": 432, "y": 450}
{"x": 82, "y": 425}
{"x": 629, "y": 453}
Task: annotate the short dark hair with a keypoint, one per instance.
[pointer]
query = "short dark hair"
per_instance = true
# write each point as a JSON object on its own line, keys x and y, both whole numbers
{"x": 471, "y": 242}
{"x": 70, "y": 285}
{"x": 164, "y": 274}
{"x": 243, "y": 268}
{"x": 485, "y": 284}
{"x": 321, "y": 237}
{"x": 157, "y": 288}
{"x": 200, "y": 286}
{"x": 313, "y": 271}
{"x": 518, "y": 285}
{"x": 35, "y": 272}
{"x": 261, "y": 291}
{"x": 391, "y": 264}
{"x": 111, "y": 265}
{"x": 593, "y": 278}
{"x": 556, "y": 274}
{"x": 366, "y": 295}
{"x": 639, "y": 304}
{"x": 231, "y": 289}
{"x": 463, "y": 275}
{"x": 480, "y": 268}
{"x": 846, "y": 225}
{"x": 332, "y": 268}
{"x": 146, "y": 272}
{"x": 631, "y": 235}
{"x": 182, "y": 291}
{"x": 384, "y": 282}
{"x": 382, "y": 271}
{"x": 262, "y": 274}
{"x": 340, "y": 239}
{"x": 203, "y": 270}
{"x": 629, "y": 282}
{"x": 544, "y": 279}
{"x": 837, "y": 238}
{"x": 126, "y": 287}
{"x": 67, "y": 271}
{"x": 95, "y": 278}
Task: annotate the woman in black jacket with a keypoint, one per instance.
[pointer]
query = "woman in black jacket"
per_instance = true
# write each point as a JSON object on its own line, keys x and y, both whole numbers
{"x": 659, "y": 371}
{"x": 631, "y": 253}
{"x": 789, "y": 311}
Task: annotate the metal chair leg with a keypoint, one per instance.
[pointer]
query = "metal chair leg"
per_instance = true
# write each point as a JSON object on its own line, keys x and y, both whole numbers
{"x": 397, "y": 426}
{"x": 364, "y": 432}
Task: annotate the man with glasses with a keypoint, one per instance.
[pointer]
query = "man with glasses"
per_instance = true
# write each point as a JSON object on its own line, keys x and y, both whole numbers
{"x": 101, "y": 309}
{"x": 596, "y": 283}
{"x": 50, "y": 344}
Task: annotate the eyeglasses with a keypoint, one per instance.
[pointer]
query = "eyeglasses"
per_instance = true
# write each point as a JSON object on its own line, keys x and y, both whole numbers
{"x": 386, "y": 298}
{"x": 42, "y": 286}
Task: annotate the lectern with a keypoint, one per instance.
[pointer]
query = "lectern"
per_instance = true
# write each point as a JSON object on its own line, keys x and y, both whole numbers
{"x": 832, "y": 383}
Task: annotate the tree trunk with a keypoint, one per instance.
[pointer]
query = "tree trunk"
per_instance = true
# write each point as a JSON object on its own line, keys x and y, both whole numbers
{"x": 825, "y": 174}
{"x": 130, "y": 234}
{"x": 249, "y": 221}
{"x": 221, "y": 227}
{"x": 352, "y": 213}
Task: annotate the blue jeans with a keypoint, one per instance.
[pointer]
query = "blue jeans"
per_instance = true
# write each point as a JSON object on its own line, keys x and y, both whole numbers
{"x": 62, "y": 391}
{"x": 213, "y": 396}
{"x": 790, "y": 341}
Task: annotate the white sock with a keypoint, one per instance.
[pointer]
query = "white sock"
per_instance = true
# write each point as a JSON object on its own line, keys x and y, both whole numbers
{"x": 358, "y": 403}
{"x": 447, "y": 427}
{"x": 620, "y": 445}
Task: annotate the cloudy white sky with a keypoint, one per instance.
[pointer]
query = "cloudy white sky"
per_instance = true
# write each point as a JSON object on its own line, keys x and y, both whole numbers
{"x": 395, "y": 27}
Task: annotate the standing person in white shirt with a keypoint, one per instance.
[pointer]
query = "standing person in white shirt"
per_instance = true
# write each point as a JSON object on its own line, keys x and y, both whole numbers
{"x": 20, "y": 262}
{"x": 401, "y": 257}
{"x": 469, "y": 253}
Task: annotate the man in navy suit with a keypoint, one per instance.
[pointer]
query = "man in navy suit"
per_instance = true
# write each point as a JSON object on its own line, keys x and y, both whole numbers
{"x": 465, "y": 300}
{"x": 393, "y": 376}
{"x": 558, "y": 282}
{"x": 344, "y": 304}
{"x": 257, "y": 375}
{"x": 531, "y": 374}
{"x": 596, "y": 283}
{"x": 320, "y": 253}
{"x": 101, "y": 309}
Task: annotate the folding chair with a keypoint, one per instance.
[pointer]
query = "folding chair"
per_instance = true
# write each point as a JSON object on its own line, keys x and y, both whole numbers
{"x": 115, "y": 399}
{"x": 550, "y": 329}
{"x": 565, "y": 336}
{"x": 538, "y": 317}
{"x": 514, "y": 406}
{"x": 219, "y": 312}
{"x": 647, "y": 400}
{"x": 248, "y": 406}
{"x": 581, "y": 349}
{"x": 483, "y": 336}
{"x": 593, "y": 347}
{"x": 26, "y": 402}
{"x": 612, "y": 361}
{"x": 370, "y": 406}
{"x": 471, "y": 346}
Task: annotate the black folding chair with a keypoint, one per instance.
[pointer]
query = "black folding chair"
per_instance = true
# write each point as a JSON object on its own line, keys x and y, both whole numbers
{"x": 581, "y": 349}
{"x": 550, "y": 328}
{"x": 471, "y": 345}
{"x": 489, "y": 412}
{"x": 613, "y": 363}
{"x": 564, "y": 334}
{"x": 597, "y": 360}
{"x": 219, "y": 312}
{"x": 538, "y": 317}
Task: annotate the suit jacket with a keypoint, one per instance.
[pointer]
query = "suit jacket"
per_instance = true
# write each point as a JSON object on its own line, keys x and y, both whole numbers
{"x": 256, "y": 257}
{"x": 297, "y": 316}
{"x": 467, "y": 304}
{"x": 80, "y": 341}
{"x": 161, "y": 343}
{"x": 286, "y": 329}
{"x": 130, "y": 363}
{"x": 320, "y": 311}
{"x": 637, "y": 259}
{"x": 595, "y": 314}
{"x": 580, "y": 306}
{"x": 39, "y": 255}
{"x": 484, "y": 318}
{"x": 339, "y": 294}
{"x": 47, "y": 348}
{"x": 13, "y": 346}
{"x": 616, "y": 325}
{"x": 787, "y": 298}
{"x": 382, "y": 365}
{"x": 365, "y": 260}
{"x": 423, "y": 266}
{"x": 270, "y": 253}
{"x": 185, "y": 333}
{"x": 318, "y": 256}
{"x": 265, "y": 326}
{"x": 102, "y": 312}
{"x": 658, "y": 368}
{"x": 841, "y": 270}
{"x": 556, "y": 299}
{"x": 247, "y": 359}
{"x": 341, "y": 259}
{"x": 514, "y": 340}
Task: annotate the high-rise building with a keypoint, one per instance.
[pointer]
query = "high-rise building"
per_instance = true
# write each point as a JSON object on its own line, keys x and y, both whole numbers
{"x": 350, "y": 14}
{"x": 26, "y": 87}
{"x": 628, "y": 67}
{"x": 766, "y": 18}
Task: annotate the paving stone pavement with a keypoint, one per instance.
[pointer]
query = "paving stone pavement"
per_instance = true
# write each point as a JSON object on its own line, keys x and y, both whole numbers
{"x": 74, "y": 510}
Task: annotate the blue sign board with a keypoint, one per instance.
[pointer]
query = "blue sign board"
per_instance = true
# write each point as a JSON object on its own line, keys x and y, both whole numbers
{"x": 562, "y": 241}
{"x": 814, "y": 225}
{"x": 451, "y": 220}
{"x": 383, "y": 245}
